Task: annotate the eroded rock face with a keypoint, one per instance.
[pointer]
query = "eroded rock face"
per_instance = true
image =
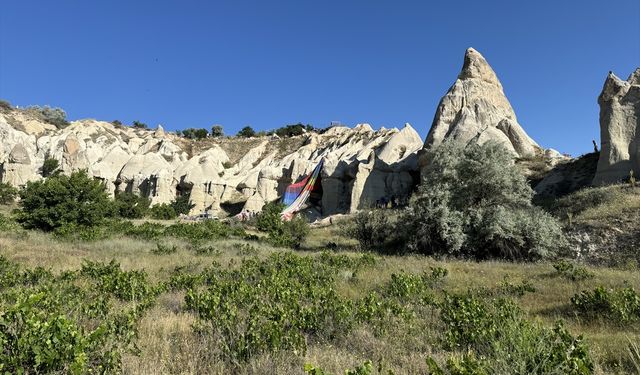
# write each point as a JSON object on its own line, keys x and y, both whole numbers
{"x": 223, "y": 175}
{"x": 475, "y": 109}
{"x": 619, "y": 129}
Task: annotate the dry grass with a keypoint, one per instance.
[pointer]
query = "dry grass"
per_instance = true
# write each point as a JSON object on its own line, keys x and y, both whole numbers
{"x": 169, "y": 345}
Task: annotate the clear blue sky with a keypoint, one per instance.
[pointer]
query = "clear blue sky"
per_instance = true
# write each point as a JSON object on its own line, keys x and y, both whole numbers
{"x": 269, "y": 63}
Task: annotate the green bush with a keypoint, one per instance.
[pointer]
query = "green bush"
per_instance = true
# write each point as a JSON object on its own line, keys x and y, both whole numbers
{"x": 474, "y": 201}
{"x": 277, "y": 305}
{"x": 192, "y": 133}
{"x": 499, "y": 340}
{"x": 164, "y": 249}
{"x": 7, "y": 193}
{"x": 63, "y": 200}
{"x": 282, "y": 233}
{"x": 163, "y": 211}
{"x": 217, "y": 131}
{"x": 49, "y": 167}
{"x": 372, "y": 229}
{"x": 182, "y": 204}
{"x": 139, "y": 125}
{"x": 571, "y": 271}
{"x": 5, "y": 106}
{"x": 621, "y": 305}
{"x": 53, "y": 116}
{"x": 131, "y": 206}
{"x": 63, "y": 323}
{"x": 247, "y": 132}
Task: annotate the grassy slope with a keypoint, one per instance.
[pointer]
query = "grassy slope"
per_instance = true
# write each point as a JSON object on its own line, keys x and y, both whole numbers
{"x": 169, "y": 346}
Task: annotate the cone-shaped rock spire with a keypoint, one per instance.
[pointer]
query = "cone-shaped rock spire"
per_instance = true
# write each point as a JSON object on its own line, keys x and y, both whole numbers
{"x": 475, "y": 109}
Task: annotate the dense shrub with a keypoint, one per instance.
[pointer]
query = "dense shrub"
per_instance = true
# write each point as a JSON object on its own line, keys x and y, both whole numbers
{"x": 53, "y": 116}
{"x": 572, "y": 271}
{"x": 372, "y": 229}
{"x": 217, "y": 131}
{"x": 246, "y": 132}
{"x": 278, "y": 305}
{"x": 5, "y": 106}
{"x": 473, "y": 201}
{"x": 8, "y": 193}
{"x": 282, "y": 233}
{"x": 497, "y": 339}
{"x": 192, "y": 133}
{"x": 293, "y": 130}
{"x": 49, "y": 166}
{"x": 63, "y": 200}
{"x": 163, "y": 211}
{"x": 131, "y": 206}
{"x": 621, "y": 305}
{"x": 66, "y": 323}
{"x": 182, "y": 204}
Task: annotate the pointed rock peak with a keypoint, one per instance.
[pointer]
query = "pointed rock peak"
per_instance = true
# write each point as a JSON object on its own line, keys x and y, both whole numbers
{"x": 476, "y": 66}
{"x": 159, "y": 133}
{"x": 634, "y": 78}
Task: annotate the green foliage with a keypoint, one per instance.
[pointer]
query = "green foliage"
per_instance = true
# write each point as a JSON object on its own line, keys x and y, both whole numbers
{"x": 164, "y": 249}
{"x": 217, "y": 131}
{"x": 205, "y": 250}
{"x": 474, "y": 201}
{"x": 49, "y": 166}
{"x": 7, "y": 193}
{"x": 504, "y": 342}
{"x": 62, "y": 323}
{"x": 131, "y": 206}
{"x": 53, "y": 116}
{"x": 571, "y": 271}
{"x": 60, "y": 200}
{"x": 620, "y": 305}
{"x": 282, "y": 233}
{"x": 372, "y": 229}
{"x": 182, "y": 204}
{"x": 162, "y": 211}
{"x": 278, "y": 304}
{"x": 584, "y": 199}
{"x": 293, "y": 130}
{"x": 246, "y": 132}
{"x": 192, "y": 133}
{"x": 5, "y": 106}
{"x": 139, "y": 125}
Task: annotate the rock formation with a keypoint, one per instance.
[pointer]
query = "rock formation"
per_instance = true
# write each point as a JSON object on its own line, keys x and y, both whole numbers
{"x": 619, "y": 129}
{"x": 222, "y": 175}
{"x": 475, "y": 109}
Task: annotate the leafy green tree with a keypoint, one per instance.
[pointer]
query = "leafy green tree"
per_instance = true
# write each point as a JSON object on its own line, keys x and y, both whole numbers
{"x": 131, "y": 206}
{"x": 162, "y": 212}
{"x": 49, "y": 166}
{"x": 247, "y": 132}
{"x": 474, "y": 201}
{"x": 182, "y": 204}
{"x": 63, "y": 200}
{"x": 8, "y": 193}
{"x": 217, "y": 131}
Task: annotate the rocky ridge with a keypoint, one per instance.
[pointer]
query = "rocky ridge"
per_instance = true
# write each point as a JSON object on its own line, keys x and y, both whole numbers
{"x": 360, "y": 165}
